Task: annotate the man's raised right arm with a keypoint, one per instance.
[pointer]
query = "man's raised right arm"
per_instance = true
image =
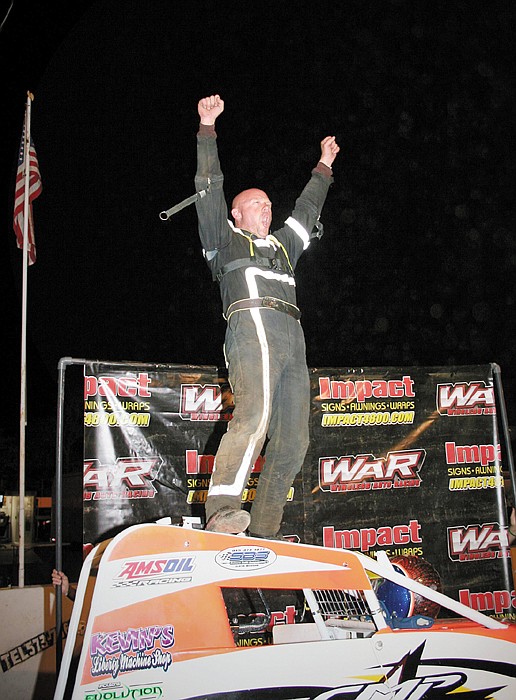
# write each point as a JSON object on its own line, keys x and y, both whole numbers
{"x": 212, "y": 208}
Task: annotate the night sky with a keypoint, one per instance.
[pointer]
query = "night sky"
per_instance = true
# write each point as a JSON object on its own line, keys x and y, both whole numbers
{"x": 417, "y": 263}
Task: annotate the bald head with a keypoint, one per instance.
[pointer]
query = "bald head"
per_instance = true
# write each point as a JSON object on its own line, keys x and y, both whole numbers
{"x": 252, "y": 211}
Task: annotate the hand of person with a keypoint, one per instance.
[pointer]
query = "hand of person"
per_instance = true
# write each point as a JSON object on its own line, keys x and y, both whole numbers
{"x": 329, "y": 150}
{"x": 59, "y": 578}
{"x": 210, "y": 108}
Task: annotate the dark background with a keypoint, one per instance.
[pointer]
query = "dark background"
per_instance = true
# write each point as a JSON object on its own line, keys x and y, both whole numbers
{"x": 417, "y": 264}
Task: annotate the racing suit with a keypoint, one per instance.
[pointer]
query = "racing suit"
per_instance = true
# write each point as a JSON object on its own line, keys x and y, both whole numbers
{"x": 264, "y": 343}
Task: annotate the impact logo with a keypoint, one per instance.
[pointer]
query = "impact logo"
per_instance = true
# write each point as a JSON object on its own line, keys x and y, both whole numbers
{"x": 365, "y": 472}
{"x": 125, "y": 387}
{"x": 473, "y": 467}
{"x": 245, "y": 558}
{"x": 119, "y": 401}
{"x": 490, "y": 602}
{"x": 364, "y": 389}
{"x": 364, "y": 402}
{"x": 151, "y": 572}
{"x": 206, "y": 402}
{"x": 465, "y": 399}
{"x": 129, "y": 478}
{"x": 370, "y": 537}
{"x": 473, "y": 542}
{"x": 472, "y": 454}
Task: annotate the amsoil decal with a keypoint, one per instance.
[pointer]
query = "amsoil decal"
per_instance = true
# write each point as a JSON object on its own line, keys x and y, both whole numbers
{"x": 154, "y": 572}
{"x": 404, "y": 535}
{"x": 366, "y": 402}
{"x": 205, "y": 402}
{"x": 365, "y": 472}
{"x": 245, "y": 557}
{"x": 122, "y": 651}
{"x": 127, "y": 478}
{"x": 473, "y": 542}
{"x": 466, "y": 399}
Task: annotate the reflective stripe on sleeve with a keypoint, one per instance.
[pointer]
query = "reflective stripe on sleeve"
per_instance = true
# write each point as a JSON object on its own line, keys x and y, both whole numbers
{"x": 300, "y": 230}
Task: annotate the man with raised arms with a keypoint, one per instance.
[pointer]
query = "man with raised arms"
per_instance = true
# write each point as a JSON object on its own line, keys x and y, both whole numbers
{"x": 264, "y": 345}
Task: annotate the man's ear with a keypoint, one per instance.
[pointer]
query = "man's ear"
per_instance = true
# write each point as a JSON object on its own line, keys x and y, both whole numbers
{"x": 235, "y": 213}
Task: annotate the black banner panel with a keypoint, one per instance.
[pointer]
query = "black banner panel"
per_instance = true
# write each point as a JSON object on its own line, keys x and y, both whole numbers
{"x": 405, "y": 461}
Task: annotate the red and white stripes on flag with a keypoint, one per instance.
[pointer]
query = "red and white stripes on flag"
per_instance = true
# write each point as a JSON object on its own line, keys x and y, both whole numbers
{"x": 19, "y": 196}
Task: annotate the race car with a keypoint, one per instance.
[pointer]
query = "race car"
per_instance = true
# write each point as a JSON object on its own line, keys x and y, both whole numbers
{"x": 174, "y": 612}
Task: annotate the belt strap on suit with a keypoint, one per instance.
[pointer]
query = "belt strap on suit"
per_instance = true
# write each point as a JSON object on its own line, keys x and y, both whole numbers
{"x": 253, "y": 261}
{"x": 263, "y": 302}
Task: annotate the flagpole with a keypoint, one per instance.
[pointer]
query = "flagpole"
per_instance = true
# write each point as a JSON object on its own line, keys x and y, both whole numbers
{"x": 23, "y": 359}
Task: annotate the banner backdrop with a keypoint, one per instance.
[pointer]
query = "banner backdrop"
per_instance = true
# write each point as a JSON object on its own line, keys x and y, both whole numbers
{"x": 404, "y": 460}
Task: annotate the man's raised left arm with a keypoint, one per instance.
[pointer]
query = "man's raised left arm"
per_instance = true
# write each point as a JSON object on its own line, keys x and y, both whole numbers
{"x": 309, "y": 204}
{"x": 329, "y": 151}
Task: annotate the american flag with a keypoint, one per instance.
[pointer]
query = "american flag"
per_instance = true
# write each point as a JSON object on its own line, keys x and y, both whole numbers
{"x": 19, "y": 197}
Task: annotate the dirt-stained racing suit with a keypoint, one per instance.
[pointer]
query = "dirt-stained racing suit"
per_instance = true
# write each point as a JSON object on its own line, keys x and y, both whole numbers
{"x": 264, "y": 344}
